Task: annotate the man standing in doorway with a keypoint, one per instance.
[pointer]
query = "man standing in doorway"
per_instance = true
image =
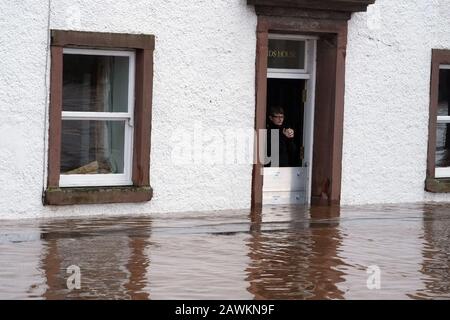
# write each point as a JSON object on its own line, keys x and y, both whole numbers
{"x": 286, "y": 144}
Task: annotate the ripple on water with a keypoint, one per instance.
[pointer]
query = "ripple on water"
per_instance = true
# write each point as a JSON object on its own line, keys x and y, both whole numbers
{"x": 284, "y": 253}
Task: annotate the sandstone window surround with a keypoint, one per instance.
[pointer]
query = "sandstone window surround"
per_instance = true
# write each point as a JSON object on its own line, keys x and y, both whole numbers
{"x": 438, "y": 159}
{"x": 99, "y": 147}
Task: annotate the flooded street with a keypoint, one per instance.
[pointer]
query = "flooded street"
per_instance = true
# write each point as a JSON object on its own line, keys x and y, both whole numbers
{"x": 283, "y": 253}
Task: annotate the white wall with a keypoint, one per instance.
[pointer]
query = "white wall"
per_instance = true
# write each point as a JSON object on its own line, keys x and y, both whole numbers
{"x": 204, "y": 71}
{"x": 387, "y": 100}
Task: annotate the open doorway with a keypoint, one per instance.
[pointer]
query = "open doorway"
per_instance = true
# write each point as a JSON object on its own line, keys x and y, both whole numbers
{"x": 289, "y": 120}
{"x": 285, "y": 111}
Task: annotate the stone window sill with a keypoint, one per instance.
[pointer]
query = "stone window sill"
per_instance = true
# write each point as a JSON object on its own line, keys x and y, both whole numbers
{"x": 437, "y": 185}
{"x": 96, "y": 195}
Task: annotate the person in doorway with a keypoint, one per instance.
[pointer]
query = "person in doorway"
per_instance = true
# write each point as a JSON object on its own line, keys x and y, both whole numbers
{"x": 286, "y": 146}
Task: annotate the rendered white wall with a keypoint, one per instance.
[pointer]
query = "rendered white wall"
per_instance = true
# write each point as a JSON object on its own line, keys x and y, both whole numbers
{"x": 204, "y": 72}
{"x": 387, "y": 100}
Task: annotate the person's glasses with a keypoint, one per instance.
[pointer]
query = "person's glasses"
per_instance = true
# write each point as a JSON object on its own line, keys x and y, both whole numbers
{"x": 278, "y": 116}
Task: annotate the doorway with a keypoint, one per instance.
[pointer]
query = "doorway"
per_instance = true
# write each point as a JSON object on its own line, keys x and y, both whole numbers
{"x": 324, "y": 72}
{"x": 288, "y": 95}
{"x": 290, "y": 113}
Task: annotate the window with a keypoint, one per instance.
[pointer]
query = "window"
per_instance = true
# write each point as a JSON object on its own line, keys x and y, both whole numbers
{"x": 287, "y": 56}
{"x": 100, "y": 111}
{"x": 438, "y": 170}
{"x": 442, "y": 157}
{"x": 97, "y": 118}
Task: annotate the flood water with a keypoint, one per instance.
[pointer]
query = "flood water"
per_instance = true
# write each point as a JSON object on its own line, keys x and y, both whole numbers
{"x": 282, "y": 253}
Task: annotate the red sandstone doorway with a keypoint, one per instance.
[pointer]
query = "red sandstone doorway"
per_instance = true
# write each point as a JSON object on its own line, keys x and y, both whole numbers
{"x": 326, "y": 155}
{"x": 290, "y": 88}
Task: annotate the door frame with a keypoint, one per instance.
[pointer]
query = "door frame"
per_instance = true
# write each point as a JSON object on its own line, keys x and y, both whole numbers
{"x": 329, "y": 101}
{"x": 309, "y": 75}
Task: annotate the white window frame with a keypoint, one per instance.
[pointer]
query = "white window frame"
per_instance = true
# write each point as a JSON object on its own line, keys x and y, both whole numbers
{"x": 111, "y": 179}
{"x": 293, "y": 73}
{"x": 442, "y": 172}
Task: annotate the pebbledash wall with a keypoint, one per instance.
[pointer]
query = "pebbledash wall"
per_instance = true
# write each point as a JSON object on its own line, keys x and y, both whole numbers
{"x": 204, "y": 72}
{"x": 387, "y": 98}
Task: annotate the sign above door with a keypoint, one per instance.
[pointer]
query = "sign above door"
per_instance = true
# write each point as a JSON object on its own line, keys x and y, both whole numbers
{"x": 286, "y": 54}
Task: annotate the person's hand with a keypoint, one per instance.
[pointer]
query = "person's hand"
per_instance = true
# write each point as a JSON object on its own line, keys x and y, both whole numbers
{"x": 289, "y": 133}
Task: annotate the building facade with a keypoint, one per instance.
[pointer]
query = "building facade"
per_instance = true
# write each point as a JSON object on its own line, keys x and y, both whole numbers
{"x": 114, "y": 107}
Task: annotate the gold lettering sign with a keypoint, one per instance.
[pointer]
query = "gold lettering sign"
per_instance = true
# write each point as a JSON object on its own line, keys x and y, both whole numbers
{"x": 286, "y": 54}
{"x": 282, "y": 54}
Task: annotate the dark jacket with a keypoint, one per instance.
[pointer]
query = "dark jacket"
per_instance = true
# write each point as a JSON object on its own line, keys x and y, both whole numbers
{"x": 287, "y": 147}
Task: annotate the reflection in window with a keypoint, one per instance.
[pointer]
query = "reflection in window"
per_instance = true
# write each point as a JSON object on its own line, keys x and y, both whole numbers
{"x": 443, "y": 126}
{"x": 95, "y": 83}
{"x": 92, "y": 147}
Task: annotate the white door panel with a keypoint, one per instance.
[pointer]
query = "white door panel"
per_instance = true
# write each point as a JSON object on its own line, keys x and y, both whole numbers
{"x": 271, "y": 197}
{"x": 284, "y": 179}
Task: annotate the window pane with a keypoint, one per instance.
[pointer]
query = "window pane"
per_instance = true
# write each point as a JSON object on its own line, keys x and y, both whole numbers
{"x": 444, "y": 83}
{"x": 286, "y": 54}
{"x": 443, "y": 129}
{"x": 443, "y": 145}
{"x": 91, "y": 147}
{"x": 95, "y": 83}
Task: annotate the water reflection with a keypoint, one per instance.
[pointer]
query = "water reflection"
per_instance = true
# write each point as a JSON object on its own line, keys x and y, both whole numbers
{"x": 110, "y": 254}
{"x": 279, "y": 253}
{"x": 301, "y": 263}
{"x": 436, "y": 253}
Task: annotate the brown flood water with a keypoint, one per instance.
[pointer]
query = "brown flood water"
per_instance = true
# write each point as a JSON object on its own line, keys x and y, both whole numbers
{"x": 284, "y": 253}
